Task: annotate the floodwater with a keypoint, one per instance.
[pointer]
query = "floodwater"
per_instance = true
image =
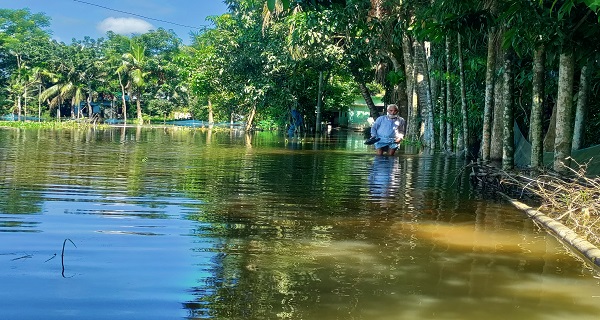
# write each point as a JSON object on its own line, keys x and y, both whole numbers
{"x": 169, "y": 223}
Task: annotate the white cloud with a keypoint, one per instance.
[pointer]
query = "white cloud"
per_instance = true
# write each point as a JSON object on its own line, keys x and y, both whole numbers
{"x": 125, "y": 26}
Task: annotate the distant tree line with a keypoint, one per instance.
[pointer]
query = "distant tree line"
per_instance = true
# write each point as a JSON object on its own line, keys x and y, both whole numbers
{"x": 463, "y": 71}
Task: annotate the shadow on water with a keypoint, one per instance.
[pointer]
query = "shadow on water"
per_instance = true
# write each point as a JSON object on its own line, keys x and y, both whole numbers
{"x": 173, "y": 224}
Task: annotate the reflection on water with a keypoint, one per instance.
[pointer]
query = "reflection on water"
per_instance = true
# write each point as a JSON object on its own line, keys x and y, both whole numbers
{"x": 383, "y": 178}
{"x": 179, "y": 224}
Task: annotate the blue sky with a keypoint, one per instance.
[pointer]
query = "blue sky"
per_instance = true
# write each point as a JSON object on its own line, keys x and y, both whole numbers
{"x": 77, "y": 19}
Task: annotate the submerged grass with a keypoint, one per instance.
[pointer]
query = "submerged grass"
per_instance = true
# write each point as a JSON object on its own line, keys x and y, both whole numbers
{"x": 78, "y": 124}
{"x": 69, "y": 124}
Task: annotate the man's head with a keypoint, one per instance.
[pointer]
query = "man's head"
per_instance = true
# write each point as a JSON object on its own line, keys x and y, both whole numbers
{"x": 392, "y": 111}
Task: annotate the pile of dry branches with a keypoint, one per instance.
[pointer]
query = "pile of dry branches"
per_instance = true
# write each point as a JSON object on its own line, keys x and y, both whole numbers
{"x": 572, "y": 199}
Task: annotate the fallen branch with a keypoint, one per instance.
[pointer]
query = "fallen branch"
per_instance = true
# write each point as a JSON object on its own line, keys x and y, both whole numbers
{"x": 573, "y": 199}
{"x": 564, "y": 233}
{"x": 62, "y": 257}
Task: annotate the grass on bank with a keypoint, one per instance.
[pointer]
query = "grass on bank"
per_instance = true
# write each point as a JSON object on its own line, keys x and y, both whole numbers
{"x": 78, "y": 124}
{"x": 67, "y": 124}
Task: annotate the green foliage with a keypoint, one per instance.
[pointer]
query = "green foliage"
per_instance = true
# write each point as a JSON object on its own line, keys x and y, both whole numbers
{"x": 395, "y": 78}
{"x": 161, "y": 107}
{"x": 268, "y": 124}
{"x": 270, "y": 61}
{"x": 24, "y": 40}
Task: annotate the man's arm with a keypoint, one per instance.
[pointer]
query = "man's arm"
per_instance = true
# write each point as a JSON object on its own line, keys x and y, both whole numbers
{"x": 401, "y": 130}
{"x": 374, "y": 128}
{"x": 402, "y": 126}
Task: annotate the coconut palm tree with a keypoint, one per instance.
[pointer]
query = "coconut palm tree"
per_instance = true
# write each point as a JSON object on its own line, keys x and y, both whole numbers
{"x": 134, "y": 64}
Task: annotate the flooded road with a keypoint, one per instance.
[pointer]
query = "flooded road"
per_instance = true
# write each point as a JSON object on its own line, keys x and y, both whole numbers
{"x": 183, "y": 224}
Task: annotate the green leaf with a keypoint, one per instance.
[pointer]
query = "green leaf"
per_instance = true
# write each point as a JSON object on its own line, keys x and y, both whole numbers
{"x": 271, "y": 5}
{"x": 286, "y": 4}
{"x": 594, "y": 5}
{"x": 509, "y": 37}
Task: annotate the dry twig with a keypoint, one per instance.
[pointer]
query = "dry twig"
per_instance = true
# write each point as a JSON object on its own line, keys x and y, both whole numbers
{"x": 572, "y": 199}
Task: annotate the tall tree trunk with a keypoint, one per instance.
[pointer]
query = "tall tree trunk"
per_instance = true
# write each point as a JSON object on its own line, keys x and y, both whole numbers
{"x": 395, "y": 63}
{"x": 366, "y": 94}
{"x": 442, "y": 117}
{"x": 550, "y": 136}
{"x": 123, "y": 98}
{"x": 250, "y": 118}
{"x": 58, "y": 115}
{"x": 424, "y": 94}
{"x": 436, "y": 93}
{"x": 89, "y": 104}
{"x": 497, "y": 121}
{"x": 537, "y": 150}
{"x": 449, "y": 107}
{"x": 489, "y": 96}
{"x": 25, "y": 104}
{"x": 463, "y": 101}
{"x": 564, "y": 104}
{"x": 138, "y": 104}
{"x": 581, "y": 109}
{"x": 211, "y": 119}
{"x": 19, "y": 107}
{"x": 508, "y": 143}
{"x": 18, "y": 81}
{"x": 39, "y": 102}
{"x": 399, "y": 94}
{"x": 320, "y": 103}
{"x": 412, "y": 129}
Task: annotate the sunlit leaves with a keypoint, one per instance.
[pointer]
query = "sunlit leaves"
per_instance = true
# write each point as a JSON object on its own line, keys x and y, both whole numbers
{"x": 23, "y": 41}
{"x": 395, "y": 78}
{"x": 19, "y": 26}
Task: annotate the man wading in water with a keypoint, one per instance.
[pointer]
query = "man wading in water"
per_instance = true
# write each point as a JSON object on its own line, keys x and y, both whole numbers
{"x": 388, "y": 131}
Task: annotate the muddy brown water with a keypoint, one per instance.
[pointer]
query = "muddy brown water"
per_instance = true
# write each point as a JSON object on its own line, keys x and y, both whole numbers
{"x": 166, "y": 223}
